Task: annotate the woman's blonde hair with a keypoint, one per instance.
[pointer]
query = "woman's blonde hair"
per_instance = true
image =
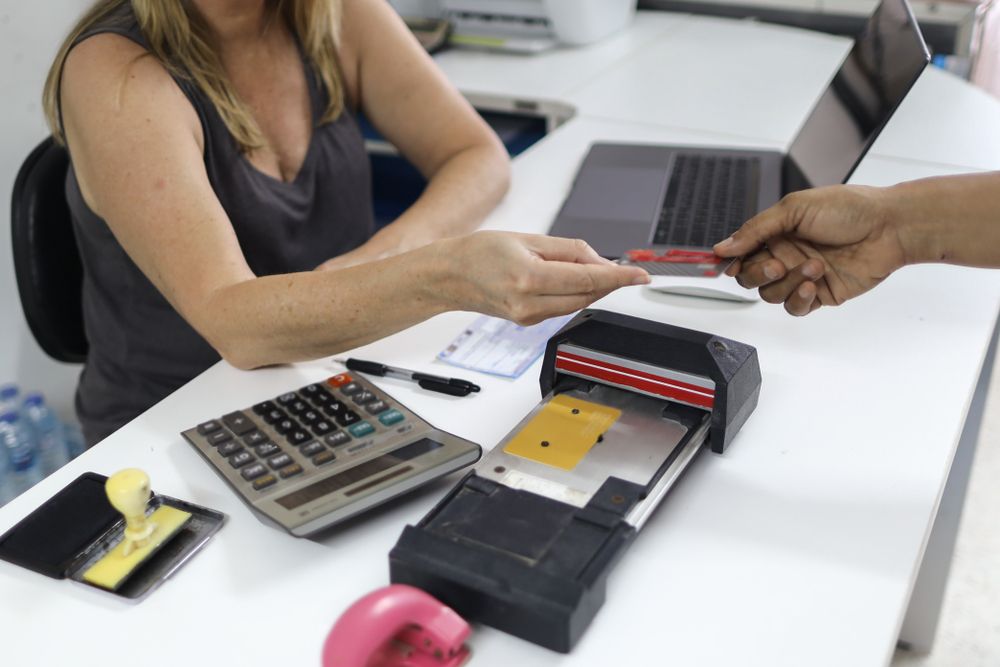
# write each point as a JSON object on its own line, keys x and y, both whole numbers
{"x": 179, "y": 39}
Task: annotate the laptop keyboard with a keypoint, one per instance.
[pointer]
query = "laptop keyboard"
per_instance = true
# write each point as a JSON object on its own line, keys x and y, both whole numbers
{"x": 708, "y": 198}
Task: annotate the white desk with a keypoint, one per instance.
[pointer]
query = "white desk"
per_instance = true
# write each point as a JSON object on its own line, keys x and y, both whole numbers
{"x": 800, "y": 546}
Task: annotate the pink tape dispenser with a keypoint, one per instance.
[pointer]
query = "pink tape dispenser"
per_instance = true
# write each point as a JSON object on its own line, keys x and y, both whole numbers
{"x": 397, "y": 626}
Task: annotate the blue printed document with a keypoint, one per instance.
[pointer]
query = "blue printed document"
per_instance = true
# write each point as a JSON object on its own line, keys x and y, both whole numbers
{"x": 499, "y": 347}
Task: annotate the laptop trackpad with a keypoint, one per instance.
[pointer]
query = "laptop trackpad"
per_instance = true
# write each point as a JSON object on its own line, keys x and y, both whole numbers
{"x": 617, "y": 194}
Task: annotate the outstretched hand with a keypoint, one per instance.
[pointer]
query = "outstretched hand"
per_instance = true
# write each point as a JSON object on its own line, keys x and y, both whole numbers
{"x": 527, "y": 278}
{"x": 816, "y": 247}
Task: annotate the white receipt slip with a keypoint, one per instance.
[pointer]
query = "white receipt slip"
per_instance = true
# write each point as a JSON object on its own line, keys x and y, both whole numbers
{"x": 499, "y": 347}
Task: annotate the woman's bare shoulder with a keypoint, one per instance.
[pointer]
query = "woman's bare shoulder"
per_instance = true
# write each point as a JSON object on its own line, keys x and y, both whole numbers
{"x": 109, "y": 74}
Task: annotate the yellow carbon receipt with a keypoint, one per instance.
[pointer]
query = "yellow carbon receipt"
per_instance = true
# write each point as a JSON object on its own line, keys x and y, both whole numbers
{"x": 114, "y": 568}
{"x": 562, "y": 432}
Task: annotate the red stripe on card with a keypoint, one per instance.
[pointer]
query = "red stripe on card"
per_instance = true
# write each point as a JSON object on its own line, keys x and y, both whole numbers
{"x": 657, "y": 388}
{"x": 633, "y": 371}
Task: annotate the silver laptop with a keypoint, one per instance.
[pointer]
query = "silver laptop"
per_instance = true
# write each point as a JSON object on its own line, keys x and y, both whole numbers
{"x": 664, "y": 207}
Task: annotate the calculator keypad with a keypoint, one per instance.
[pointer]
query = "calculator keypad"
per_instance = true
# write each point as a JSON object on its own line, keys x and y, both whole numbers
{"x": 325, "y": 451}
{"x": 285, "y": 437}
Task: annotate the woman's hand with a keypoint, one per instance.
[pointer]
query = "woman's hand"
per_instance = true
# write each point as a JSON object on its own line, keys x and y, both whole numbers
{"x": 817, "y": 247}
{"x": 526, "y": 278}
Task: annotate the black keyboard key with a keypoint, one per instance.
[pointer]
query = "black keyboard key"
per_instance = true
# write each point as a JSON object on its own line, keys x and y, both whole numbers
{"x": 209, "y": 427}
{"x": 322, "y": 427}
{"x": 267, "y": 449}
{"x": 376, "y": 407}
{"x": 287, "y": 398}
{"x": 254, "y": 438}
{"x": 351, "y": 388}
{"x": 286, "y": 425}
{"x": 363, "y": 397}
{"x": 273, "y": 416}
{"x": 264, "y": 407}
{"x": 310, "y": 417}
{"x": 321, "y": 397}
{"x": 279, "y": 461}
{"x": 254, "y": 471}
{"x": 298, "y": 436}
{"x": 337, "y": 438}
{"x": 238, "y": 423}
{"x": 334, "y": 408}
{"x": 310, "y": 391}
{"x": 241, "y": 459}
{"x": 219, "y": 437}
{"x": 298, "y": 406}
{"x": 312, "y": 448}
{"x": 229, "y": 448}
{"x": 347, "y": 418}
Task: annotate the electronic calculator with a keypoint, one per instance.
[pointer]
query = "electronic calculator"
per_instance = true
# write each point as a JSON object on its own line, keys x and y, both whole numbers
{"x": 313, "y": 457}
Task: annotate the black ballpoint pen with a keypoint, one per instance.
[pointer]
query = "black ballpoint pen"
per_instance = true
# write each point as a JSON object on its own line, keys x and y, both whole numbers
{"x": 443, "y": 385}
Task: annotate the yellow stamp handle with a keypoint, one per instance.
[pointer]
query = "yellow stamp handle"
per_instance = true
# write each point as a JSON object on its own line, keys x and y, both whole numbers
{"x": 128, "y": 491}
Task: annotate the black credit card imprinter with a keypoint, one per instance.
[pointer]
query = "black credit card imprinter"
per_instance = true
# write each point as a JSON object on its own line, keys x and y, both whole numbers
{"x": 525, "y": 542}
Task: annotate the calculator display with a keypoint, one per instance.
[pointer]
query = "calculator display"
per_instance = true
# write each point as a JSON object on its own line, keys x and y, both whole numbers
{"x": 358, "y": 473}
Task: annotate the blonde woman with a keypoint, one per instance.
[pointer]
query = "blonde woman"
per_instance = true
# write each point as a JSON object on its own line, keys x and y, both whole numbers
{"x": 220, "y": 193}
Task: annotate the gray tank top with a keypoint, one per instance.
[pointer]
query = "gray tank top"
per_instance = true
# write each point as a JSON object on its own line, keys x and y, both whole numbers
{"x": 141, "y": 350}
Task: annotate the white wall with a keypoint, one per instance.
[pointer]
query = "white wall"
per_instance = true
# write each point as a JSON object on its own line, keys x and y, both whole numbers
{"x": 986, "y": 74}
{"x": 30, "y": 33}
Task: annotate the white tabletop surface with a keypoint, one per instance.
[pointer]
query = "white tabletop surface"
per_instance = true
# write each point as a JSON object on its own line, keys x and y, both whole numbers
{"x": 799, "y": 546}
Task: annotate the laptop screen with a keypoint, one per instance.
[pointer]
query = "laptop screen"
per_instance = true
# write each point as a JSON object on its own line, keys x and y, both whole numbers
{"x": 881, "y": 68}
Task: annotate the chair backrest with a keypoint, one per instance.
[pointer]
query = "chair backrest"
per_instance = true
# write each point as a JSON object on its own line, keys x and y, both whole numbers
{"x": 46, "y": 256}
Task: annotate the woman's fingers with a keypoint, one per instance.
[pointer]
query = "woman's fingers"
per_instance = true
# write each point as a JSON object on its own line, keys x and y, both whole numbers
{"x": 563, "y": 278}
{"x": 564, "y": 250}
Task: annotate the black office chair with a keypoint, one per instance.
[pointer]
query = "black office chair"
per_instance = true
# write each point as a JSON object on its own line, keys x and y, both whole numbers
{"x": 46, "y": 257}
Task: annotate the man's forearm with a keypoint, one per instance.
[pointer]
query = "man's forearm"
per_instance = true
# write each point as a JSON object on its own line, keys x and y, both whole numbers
{"x": 952, "y": 219}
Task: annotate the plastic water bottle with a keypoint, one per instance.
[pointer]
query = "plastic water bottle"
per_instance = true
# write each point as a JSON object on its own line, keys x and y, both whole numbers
{"x": 19, "y": 447}
{"x": 9, "y": 395}
{"x": 73, "y": 437}
{"x": 8, "y": 401}
{"x": 50, "y": 446}
{"x": 4, "y": 478}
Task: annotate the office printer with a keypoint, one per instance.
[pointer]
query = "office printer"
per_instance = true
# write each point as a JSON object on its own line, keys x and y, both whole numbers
{"x": 526, "y": 541}
{"x": 526, "y": 26}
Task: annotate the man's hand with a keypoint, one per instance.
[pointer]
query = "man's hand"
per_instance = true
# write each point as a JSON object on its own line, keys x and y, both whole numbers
{"x": 817, "y": 247}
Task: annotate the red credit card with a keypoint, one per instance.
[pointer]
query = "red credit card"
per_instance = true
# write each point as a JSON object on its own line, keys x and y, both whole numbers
{"x": 673, "y": 256}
